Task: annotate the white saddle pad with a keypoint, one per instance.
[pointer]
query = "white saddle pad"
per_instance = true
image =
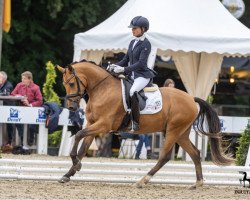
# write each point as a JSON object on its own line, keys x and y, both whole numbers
{"x": 153, "y": 103}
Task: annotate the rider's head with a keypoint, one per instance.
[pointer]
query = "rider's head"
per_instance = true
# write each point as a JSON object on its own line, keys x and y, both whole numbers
{"x": 139, "y": 25}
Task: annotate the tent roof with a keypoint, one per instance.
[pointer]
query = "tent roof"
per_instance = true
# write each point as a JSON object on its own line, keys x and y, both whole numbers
{"x": 193, "y": 25}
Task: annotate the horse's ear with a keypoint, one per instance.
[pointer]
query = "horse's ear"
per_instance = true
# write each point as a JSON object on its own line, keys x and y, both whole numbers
{"x": 63, "y": 70}
{"x": 70, "y": 68}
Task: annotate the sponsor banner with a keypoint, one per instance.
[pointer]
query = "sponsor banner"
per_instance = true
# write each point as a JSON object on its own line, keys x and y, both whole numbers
{"x": 226, "y": 124}
{"x": 233, "y": 124}
{"x": 29, "y": 115}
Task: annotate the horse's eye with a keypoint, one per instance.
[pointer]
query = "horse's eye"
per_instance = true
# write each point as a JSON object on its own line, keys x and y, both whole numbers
{"x": 71, "y": 84}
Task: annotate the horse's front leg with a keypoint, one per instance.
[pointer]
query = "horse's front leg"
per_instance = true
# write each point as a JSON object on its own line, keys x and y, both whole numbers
{"x": 91, "y": 131}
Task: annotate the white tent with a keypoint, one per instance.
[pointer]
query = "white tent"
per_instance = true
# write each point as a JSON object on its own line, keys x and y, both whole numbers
{"x": 196, "y": 33}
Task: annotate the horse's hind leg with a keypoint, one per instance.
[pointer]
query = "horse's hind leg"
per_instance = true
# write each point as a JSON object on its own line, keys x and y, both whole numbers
{"x": 194, "y": 153}
{"x": 165, "y": 156}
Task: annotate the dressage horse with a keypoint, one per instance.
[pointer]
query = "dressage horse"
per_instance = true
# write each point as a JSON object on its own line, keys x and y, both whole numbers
{"x": 105, "y": 113}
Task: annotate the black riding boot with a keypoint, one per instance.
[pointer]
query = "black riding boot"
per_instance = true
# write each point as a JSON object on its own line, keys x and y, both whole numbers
{"x": 135, "y": 113}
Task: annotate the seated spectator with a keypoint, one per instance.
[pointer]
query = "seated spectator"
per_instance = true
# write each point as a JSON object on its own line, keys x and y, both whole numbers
{"x": 6, "y": 88}
{"x": 169, "y": 83}
{"x": 34, "y": 98}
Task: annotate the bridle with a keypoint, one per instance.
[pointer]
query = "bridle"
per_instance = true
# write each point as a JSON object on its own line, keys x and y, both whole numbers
{"x": 79, "y": 82}
{"x": 78, "y": 94}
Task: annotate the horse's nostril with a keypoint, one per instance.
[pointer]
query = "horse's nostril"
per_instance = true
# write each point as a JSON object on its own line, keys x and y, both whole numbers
{"x": 71, "y": 108}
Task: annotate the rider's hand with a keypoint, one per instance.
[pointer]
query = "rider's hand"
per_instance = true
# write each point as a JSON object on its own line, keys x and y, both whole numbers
{"x": 118, "y": 69}
{"x": 111, "y": 67}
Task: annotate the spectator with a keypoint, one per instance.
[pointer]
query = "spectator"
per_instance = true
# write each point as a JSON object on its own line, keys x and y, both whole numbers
{"x": 169, "y": 83}
{"x": 33, "y": 96}
{"x": 143, "y": 138}
{"x": 6, "y": 88}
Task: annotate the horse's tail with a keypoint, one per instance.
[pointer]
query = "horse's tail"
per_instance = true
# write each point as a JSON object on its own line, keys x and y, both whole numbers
{"x": 214, "y": 131}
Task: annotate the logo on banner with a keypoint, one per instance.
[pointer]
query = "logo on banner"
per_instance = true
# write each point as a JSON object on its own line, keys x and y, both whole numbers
{"x": 14, "y": 115}
{"x": 41, "y": 116}
{"x": 222, "y": 125}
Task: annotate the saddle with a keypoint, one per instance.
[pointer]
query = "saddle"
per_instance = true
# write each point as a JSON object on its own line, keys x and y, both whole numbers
{"x": 127, "y": 83}
{"x": 150, "y": 100}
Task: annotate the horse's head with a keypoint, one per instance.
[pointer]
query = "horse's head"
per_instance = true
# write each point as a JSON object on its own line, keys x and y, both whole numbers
{"x": 74, "y": 86}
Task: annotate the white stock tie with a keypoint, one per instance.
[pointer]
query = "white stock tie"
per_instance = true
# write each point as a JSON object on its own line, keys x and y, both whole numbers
{"x": 136, "y": 40}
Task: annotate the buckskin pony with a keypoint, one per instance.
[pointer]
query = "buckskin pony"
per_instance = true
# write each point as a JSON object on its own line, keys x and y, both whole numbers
{"x": 105, "y": 112}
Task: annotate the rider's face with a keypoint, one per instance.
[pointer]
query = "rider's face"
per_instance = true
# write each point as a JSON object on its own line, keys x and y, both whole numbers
{"x": 137, "y": 31}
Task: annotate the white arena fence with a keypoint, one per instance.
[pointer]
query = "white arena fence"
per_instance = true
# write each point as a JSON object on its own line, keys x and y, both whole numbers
{"x": 119, "y": 172}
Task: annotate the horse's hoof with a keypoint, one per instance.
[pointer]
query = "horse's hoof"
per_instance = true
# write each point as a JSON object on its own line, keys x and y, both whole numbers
{"x": 78, "y": 166}
{"x": 143, "y": 181}
{"x": 64, "y": 179}
{"x": 199, "y": 184}
{"x": 138, "y": 184}
{"x": 193, "y": 187}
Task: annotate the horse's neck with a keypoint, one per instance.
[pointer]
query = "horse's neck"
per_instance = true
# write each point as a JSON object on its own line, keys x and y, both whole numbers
{"x": 93, "y": 75}
{"x": 97, "y": 79}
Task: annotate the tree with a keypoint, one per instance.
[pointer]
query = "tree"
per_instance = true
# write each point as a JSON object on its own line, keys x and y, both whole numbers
{"x": 44, "y": 30}
{"x": 48, "y": 92}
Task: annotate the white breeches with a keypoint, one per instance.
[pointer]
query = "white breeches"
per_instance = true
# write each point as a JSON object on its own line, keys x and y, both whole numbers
{"x": 139, "y": 84}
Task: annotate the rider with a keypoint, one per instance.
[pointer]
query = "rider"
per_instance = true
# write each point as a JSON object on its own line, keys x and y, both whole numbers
{"x": 134, "y": 64}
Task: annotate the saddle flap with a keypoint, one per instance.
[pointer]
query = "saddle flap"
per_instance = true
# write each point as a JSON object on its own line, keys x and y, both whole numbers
{"x": 141, "y": 96}
{"x": 152, "y": 101}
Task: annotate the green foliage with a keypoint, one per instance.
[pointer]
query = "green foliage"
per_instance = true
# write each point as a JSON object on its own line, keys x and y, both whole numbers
{"x": 48, "y": 91}
{"x": 50, "y": 96}
{"x": 210, "y": 99}
{"x": 242, "y": 150}
{"x": 44, "y": 30}
{"x": 55, "y": 139}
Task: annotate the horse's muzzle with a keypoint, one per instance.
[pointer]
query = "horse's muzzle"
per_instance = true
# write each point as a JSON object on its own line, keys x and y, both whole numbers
{"x": 73, "y": 107}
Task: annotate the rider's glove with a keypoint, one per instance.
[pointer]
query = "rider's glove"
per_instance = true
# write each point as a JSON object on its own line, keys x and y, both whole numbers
{"x": 111, "y": 67}
{"x": 118, "y": 69}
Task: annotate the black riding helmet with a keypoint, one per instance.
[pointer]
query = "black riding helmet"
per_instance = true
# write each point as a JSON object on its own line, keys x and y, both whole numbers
{"x": 139, "y": 21}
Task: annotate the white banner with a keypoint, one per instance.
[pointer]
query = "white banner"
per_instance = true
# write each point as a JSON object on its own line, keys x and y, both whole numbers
{"x": 29, "y": 115}
{"x": 233, "y": 124}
